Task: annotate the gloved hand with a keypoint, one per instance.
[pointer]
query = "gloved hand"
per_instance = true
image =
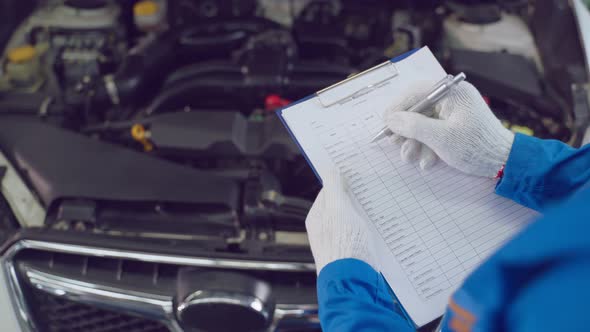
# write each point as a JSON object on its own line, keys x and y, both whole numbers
{"x": 466, "y": 134}
{"x": 336, "y": 226}
{"x": 412, "y": 149}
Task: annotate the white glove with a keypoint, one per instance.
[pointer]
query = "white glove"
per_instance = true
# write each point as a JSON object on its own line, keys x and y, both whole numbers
{"x": 410, "y": 148}
{"x": 466, "y": 134}
{"x": 336, "y": 226}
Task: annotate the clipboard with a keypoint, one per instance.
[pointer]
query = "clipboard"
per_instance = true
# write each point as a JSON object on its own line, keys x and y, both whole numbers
{"x": 358, "y": 85}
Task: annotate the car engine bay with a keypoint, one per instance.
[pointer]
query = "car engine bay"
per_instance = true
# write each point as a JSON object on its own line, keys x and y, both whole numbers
{"x": 151, "y": 124}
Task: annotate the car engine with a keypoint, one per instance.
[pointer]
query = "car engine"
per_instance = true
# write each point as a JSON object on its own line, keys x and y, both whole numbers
{"x": 144, "y": 135}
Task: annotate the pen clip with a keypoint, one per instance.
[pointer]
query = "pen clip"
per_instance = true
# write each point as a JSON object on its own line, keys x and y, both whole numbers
{"x": 357, "y": 85}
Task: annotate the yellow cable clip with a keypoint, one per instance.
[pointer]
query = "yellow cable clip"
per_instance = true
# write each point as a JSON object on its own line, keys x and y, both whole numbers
{"x": 141, "y": 135}
{"x": 145, "y": 8}
{"x": 21, "y": 54}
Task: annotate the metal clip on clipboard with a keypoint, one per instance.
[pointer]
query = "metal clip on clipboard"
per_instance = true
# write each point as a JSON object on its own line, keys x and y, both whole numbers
{"x": 357, "y": 85}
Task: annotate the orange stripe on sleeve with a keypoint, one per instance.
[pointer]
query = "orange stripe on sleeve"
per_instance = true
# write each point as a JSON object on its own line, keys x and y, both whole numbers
{"x": 461, "y": 312}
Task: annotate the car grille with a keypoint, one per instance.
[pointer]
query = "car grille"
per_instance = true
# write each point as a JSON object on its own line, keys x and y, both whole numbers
{"x": 57, "y": 314}
{"x": 64, "y": 288}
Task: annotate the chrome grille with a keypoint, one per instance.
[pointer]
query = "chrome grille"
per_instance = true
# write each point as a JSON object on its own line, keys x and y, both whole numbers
{"x": 58, "y": 314}
{"x": 54, "y": 296}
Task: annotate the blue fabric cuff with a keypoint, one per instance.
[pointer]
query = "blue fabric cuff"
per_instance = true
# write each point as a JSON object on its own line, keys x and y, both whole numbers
{"x": 355, "y": 277}
{"x": 348, "y": 268}
{"x": 522, "y": 158}
{"x": 352, "y": 296}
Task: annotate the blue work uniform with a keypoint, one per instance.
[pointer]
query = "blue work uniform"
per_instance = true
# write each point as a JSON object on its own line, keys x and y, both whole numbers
{"x": 539, "y": 281}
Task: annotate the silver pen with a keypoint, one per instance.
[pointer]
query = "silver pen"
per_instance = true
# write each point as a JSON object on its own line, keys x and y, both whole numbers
{"x": 438, "y": 92}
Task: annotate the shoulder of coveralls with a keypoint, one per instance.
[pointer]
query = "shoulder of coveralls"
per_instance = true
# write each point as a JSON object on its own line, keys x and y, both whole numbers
{"x": 543, "y": 266}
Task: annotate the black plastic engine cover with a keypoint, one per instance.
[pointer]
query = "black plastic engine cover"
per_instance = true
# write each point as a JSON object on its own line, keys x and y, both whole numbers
{"x": 221, "y": 134}
{"x": 60, "y": 164}
{"x": 503, "y": 75}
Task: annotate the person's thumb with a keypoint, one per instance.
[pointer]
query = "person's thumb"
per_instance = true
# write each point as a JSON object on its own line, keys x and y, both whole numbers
{"x": 334, "y": 185}
{"x": 413, "y": 125}
{"x": 338, "y": 193}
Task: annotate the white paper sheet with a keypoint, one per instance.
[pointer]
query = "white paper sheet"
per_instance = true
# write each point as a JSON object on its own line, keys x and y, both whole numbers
{"x": 429, "y": 228}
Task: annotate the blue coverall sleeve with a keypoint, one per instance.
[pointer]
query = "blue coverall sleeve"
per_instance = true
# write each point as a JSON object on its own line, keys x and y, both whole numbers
{"x": 352, "y": 296}
{"x": 540, "y": 173}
